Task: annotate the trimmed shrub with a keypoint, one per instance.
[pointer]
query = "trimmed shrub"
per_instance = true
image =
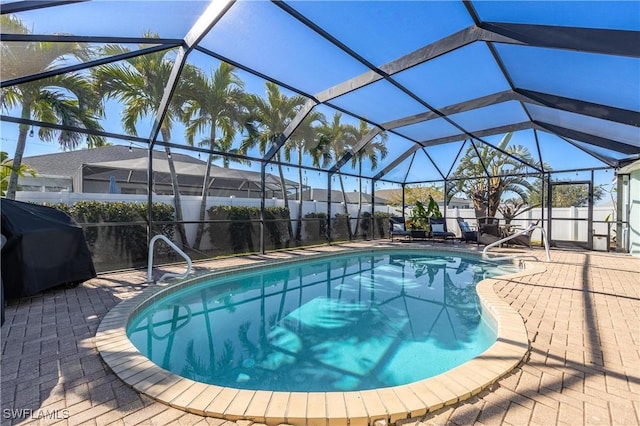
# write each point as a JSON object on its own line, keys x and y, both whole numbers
{"x": 315, "y": 228}
{"x": 381, "y": 224}
{"x": 116, "y": 232}
{"x": 340, "y": 229}
{"x": 239, "y": 228}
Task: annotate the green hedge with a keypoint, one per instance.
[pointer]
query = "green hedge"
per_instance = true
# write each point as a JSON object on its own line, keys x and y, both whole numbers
{"x": 122, "y": 244}
{"x": 316, "y": 227}
{"x": 340, "y": 227}
{"x": 239, "y": 228}
{"x": 382, "y": 224}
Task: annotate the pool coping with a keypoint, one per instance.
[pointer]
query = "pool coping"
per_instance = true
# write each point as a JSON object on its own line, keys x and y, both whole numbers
{"x": 327, "y": 408}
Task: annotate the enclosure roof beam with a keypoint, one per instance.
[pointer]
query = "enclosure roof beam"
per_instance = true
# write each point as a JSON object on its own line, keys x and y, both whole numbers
{"x": 256, "y": 73}
{"x": 71, "y": 38}
{"x": 291, "y": 127}
{"x": 477, "y": 135}
{"x": 348, "y": 155}
{"x": 432, "y": 162}
{"x": 481, "y": 133}
{"x": 593, "y": 40}
{"x": 479, "y": 157}
{"x": 603, "y": 158}
{"x": 469, "y": 105}
{"x": 588, "y": 138}
{"x": 603, "y": 41}
{"x": 397, "y": 161}
{"x": 459, "y": 137}
{"x": 424, "y": 54}
{"x": 591, "y": 109}
{"x": 577, "y": 106}
{"x": 84, "y": 65}
{"x": 27, "y": 5}
{"x": 212, "y": 14}
{"x": 56, "y": 126}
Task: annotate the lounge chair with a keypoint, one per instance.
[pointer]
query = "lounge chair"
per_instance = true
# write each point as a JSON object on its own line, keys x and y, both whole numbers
{"x": 466, "y": 233}
{"x": 397, "y": 227}
{"x": 438, "y": 229}
{"x": 488, "y": 230}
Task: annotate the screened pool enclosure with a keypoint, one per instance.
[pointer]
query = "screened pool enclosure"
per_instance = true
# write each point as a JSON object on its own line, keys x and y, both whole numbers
{"x": 351, "y": 110}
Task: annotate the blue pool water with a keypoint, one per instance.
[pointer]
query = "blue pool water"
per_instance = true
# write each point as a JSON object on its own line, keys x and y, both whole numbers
{"x": 355, "y": 322}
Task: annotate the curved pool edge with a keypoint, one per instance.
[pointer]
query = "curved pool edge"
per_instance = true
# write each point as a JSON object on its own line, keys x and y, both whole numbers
{"x": 355, "y": 407}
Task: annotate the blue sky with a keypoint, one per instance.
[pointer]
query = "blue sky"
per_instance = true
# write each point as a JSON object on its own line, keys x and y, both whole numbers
{"x": 262, "y": 36}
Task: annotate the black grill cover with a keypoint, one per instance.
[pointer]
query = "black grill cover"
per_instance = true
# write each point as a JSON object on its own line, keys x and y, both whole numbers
{"x": 45, "y": 248}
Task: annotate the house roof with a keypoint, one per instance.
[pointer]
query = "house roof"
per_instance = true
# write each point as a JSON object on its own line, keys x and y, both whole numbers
{"x": 101, "y": 163}
{"x": 67, "y": 163}
{"x": 190, "y": 169}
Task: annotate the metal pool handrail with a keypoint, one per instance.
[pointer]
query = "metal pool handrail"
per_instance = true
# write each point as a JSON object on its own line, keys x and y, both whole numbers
{"x": 173, "y": 246}
{"x": 512, "y": 236}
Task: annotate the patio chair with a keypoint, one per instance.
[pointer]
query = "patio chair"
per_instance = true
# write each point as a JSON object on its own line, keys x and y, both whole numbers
{"x": 397, "y": 227}
{"x": 524, "y": 239}
{"x": 488, "y": 230}
{"x": 466, "y": 233}
{"x": 438, "y": 229}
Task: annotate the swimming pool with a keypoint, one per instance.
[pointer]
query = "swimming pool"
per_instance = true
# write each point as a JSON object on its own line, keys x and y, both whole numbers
{"x": 342, "y": 323}
{"x": 337, "y": 407}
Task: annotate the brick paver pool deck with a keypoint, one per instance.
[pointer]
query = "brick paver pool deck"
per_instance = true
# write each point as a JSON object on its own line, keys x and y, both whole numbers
{"x": 582, "y": 318}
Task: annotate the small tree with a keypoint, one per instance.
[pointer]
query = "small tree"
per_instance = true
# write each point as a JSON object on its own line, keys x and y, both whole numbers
{"x": 416, "y": 193}
{"x": 512, "y": 208}
{"x": 568, "y": 195}
{"x": 504, "y": 174}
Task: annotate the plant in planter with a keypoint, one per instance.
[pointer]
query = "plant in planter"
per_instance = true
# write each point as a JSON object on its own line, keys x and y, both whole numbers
{"x": 419, "y": 219}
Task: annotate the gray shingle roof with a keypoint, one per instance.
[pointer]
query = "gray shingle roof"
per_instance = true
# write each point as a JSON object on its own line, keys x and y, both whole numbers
{"x": 67, "y": 163}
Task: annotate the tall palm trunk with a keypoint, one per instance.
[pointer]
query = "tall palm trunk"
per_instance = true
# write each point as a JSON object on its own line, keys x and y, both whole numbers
{"x": 284, "y": 197}
{"x": 346, "y": 209}
{"x": 299, "y": 223}
{"x": 177, "y": 200}
{"x": 17, "y": 162}
{"x": 359, "y": 197}
{"x": 203, "y": 203}
{"x": 205, "y": 192}
{"x": 17, "y": 157}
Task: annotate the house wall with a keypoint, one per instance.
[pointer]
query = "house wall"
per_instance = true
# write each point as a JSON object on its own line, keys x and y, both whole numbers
{"x": 43, "y": 183}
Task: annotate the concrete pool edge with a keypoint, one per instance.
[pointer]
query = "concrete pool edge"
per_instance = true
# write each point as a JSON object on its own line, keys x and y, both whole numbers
{"x": 356, "y": 407}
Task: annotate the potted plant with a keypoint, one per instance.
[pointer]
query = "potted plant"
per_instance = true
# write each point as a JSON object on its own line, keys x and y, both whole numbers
{"x": 418, "y": 222}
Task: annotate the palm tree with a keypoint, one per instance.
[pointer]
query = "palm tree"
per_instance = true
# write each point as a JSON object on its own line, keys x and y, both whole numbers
{"x": 216, "y": 105}
{"x": 337, "y": 136}
{"x": 504, "y": 171}
{"x": 65, "y": 99}
{"x": 225, "y": 145}
{"x": 370, "y": 151}
{"x": 307, "y": 140}
{"x": 271, "y": 117}
{"x": 6, "y": 167}
{"x": 139, "y": 83}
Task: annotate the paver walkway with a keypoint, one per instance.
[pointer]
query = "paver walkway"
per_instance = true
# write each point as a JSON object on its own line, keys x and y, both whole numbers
{"x": 582, "y": 316}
